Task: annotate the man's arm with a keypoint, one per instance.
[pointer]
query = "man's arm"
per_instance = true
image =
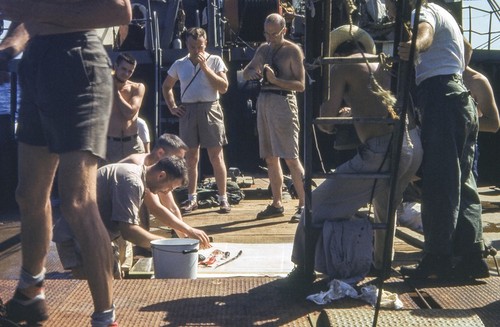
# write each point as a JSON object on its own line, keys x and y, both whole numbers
{"x": 253, "y": 70}
{"x": 168, "y": 95}
{"x": 13, "y": 43}
{"x": 486, "y": 105}
{"x": 137, "y": 235}
{"x": 425, "y": 38}
{"x": 168, "y": 201}
{"x": 217, "y": 80}
{"x": 169, "y": 219}
{"x": 129, "y": 109}
{"x": 85, "y": 14}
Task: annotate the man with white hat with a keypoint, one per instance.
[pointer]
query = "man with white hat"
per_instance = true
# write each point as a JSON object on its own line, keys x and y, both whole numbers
{"x": 357, "y": 89}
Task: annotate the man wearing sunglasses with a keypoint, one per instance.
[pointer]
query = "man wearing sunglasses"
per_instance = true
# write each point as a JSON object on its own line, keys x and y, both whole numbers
{"x": 278, "y": 63}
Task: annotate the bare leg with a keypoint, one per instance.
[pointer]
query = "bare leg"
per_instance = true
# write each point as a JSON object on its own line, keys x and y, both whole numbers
{"x": 276, "y": 179}
{"x": 77, "y": 187}
{"x": 216, "y": 156}
{"x": 297, "y": 172}
{"x": 192, "y": 158}
{"x": 37, "y": 168}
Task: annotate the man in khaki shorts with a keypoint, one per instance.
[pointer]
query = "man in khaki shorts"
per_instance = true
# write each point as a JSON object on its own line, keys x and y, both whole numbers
{"x": 201, "y": 120}
{"x": 66, "y": 86}
{"x": 279, "y": 63}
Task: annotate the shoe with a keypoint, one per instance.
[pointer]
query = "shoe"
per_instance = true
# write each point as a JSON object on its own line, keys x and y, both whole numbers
{"x": 471, "y": 267}
{"x": 431, "y": 266}
{"x": 297, "y": 280}
{"x": 189, "y": 206}
{"x": 225, "y": 207}
{"x": 115, "y": 324}
{"x": 21, "y": 308}
{"x": 270, "y": 212}
{"x": 296, "y": 216}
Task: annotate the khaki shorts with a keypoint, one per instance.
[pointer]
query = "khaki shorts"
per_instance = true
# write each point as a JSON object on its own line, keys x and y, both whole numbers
{"x": 278, "y": 125}
{"x": 203, "y": 125}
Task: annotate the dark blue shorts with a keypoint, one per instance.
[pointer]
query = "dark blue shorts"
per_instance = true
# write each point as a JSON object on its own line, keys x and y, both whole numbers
{"x": 66, "y": 93}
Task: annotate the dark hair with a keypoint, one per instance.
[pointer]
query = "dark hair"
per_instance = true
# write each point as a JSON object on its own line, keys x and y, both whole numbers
{"x": 195, "y": 33}
{"x": 175, "y": 168}
{"x": 170, "y": 141}
{"x": 349, "y": 47}
{"x": 127, "y": 57}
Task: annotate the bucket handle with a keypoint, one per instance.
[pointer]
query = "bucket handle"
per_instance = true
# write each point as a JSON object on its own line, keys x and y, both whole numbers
{"x": 183, "y": 251}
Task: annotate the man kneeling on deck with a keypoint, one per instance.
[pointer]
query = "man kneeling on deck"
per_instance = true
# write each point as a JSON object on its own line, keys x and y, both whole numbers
{"x": 162, "y": 205}
{"x": 120, "y": 193}
{"x": 358, "y": 90}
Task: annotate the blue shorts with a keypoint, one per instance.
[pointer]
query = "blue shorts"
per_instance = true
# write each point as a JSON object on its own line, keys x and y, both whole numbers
{"x": 66, "y": 93}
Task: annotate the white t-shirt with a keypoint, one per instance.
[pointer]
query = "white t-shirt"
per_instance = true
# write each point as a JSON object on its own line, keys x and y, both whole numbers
{"x": 143, "y": 130}
{"x": 200, "y": 89}
{"x": 446, "y": 54}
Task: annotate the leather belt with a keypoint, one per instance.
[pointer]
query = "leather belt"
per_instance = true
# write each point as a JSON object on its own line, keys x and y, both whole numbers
{"x": 279, "y": 92}
{"x": 123, "y": 139}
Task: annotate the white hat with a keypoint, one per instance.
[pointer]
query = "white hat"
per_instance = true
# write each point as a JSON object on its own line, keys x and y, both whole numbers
{"x": 351, "y": 32}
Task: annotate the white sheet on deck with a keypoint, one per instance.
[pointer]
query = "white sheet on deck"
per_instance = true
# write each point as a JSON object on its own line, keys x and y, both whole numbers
{"x": 255, "y": 260}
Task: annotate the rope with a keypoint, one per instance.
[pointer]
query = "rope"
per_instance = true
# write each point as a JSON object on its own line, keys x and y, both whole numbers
{"x": 386, "y": 96}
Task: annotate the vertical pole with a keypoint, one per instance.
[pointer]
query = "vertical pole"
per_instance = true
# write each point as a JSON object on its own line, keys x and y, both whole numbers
{"x": 404, "y": 80}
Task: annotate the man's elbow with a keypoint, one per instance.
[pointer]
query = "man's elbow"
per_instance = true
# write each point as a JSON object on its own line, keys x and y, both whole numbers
{"x": 223, "y": 89}
{"x": 123, "y": 14}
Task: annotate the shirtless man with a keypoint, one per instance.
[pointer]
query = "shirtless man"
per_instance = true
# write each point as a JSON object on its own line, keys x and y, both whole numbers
{"x": 279, "y": 63}
{"x": 162, "y": 205}
{"x": 482, "y": 92}
{"x": 62, "y": 125}
{"x": 338, "y": 198}
{"x": 123, "y": 136}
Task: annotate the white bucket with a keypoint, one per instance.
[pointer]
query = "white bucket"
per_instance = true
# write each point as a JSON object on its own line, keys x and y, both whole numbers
{"x": 175, "y": 258}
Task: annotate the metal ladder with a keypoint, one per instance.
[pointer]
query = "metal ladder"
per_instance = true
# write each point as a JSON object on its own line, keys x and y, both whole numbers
{"x": 396, "y": 142}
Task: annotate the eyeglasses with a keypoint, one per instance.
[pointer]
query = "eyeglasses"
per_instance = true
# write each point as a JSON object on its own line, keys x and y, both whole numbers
{"x": 273, "y": 35}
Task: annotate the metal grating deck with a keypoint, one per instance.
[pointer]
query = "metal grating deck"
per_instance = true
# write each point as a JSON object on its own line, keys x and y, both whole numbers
{"x": 256, "y": 301}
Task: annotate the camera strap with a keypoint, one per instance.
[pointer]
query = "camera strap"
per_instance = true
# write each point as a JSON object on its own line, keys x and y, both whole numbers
{"x": 192, "y": 79}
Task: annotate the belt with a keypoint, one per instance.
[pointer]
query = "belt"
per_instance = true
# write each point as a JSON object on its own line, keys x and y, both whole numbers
{"x": 279, "y": 92}
{"x": 123, "y": 139}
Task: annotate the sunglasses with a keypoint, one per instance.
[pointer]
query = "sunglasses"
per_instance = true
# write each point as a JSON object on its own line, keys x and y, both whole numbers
{"x": 273, "y": 35}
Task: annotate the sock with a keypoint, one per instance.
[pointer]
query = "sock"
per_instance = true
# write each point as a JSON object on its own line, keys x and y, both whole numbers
{"x": 103, "y": 319}
{"x": 27, "y": 280}
{"x": 193, "y": 197}
{"x": 222, "y": 198}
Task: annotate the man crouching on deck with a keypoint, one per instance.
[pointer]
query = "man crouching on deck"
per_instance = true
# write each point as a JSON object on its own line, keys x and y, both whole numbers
{"x": 66, "y": 89}
{"x": 121, "y": 189}
{"x": 352, "y": 89}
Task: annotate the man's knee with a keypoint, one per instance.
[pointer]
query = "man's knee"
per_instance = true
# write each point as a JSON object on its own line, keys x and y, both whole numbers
{"x": 27, "y": 199}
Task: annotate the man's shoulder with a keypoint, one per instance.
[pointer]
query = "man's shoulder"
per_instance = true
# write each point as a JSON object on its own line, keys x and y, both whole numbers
{"x": 291, "y": 45}
{"x": 135, "y": 85}
{"x": 135, "y": 158}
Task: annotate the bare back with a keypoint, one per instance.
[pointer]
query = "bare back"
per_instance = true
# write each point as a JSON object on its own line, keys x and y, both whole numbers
{"x": 351, "y": 83}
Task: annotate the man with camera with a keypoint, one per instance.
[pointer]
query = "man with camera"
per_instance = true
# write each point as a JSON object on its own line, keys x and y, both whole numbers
{"x": 203, "y": 79}
{"x": 279, "y": 64}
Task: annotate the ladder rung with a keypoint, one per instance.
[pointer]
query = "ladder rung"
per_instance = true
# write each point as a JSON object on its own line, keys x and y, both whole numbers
{"x": 344, "y": 60}
{"x": 351, "y": 120}
{"x": 358, "y": 175}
